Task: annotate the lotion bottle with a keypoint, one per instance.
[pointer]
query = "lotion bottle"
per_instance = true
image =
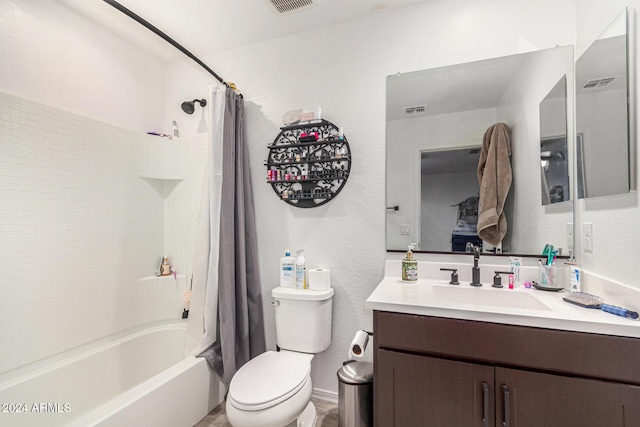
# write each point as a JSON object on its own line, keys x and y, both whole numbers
{"x": 165, "y": 267}
{"x": 410, "y": 267}
{"x": 301, "y": 270}
{"x": 288, "y": 270}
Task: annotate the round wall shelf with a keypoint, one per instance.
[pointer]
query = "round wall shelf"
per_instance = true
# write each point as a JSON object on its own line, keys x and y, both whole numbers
{"x": 308, "y": 164}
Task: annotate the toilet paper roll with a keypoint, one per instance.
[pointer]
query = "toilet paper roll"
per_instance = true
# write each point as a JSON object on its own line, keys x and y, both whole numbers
{"x": 358, "y": 345}
{"x": 319, "y": 279}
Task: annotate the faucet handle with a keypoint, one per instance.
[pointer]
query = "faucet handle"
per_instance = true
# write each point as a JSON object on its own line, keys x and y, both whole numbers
{"x": 497, "y": 279}
{"x": 454, "y": 275}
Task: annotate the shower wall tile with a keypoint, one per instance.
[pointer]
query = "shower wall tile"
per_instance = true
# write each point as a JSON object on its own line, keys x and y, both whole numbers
{"x": 78, "y": 228}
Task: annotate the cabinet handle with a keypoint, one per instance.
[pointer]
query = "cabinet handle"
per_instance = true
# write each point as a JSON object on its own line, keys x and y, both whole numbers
{"x": 505, "y": 393}
{"x": 485, "y": 405}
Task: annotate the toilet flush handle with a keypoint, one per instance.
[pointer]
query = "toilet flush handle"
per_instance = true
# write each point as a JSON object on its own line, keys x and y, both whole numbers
{"x": 275, "y": 303}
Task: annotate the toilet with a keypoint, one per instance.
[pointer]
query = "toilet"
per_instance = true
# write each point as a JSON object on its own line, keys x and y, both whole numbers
{"x": 274, "y": 389}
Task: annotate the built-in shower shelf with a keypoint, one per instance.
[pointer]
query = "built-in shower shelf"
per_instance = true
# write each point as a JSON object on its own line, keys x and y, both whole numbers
{"x": 161, "y": 279}
{"x": 161, "y": 178}
{"x": 161, "y": 159}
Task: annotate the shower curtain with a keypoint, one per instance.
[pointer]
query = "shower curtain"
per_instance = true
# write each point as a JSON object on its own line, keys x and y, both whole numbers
{"x": 226, "y": 281}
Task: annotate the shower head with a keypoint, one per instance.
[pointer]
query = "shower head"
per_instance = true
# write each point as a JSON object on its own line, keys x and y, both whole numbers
{"x": 189, "y": 106}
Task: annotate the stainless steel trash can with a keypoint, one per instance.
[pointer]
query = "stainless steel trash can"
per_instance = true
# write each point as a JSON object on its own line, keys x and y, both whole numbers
{"x": 355, "y": 394}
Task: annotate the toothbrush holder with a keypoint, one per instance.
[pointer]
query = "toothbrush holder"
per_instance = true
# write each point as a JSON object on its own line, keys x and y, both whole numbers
{"x": 547, "y": 275}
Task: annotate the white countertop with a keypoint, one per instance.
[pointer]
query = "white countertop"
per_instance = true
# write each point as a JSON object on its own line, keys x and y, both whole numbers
{"x": 437, "y": 298}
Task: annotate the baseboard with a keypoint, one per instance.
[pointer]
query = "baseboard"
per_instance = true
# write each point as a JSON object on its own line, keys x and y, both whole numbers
{"x": 326, "y": 395}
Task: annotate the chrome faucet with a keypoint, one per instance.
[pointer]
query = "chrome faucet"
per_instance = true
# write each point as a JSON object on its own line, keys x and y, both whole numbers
{"x": 475, "y": 271}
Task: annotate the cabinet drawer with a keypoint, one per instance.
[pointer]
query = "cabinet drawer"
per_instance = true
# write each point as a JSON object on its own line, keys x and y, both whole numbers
{"x": 584, "y": 354}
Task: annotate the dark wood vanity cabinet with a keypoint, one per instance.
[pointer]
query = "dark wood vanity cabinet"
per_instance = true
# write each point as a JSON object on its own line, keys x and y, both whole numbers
{"x": 440, "y": 372}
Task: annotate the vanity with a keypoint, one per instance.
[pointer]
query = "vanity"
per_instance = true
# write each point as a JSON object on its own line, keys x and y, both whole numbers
{"x": 448, "y": 355}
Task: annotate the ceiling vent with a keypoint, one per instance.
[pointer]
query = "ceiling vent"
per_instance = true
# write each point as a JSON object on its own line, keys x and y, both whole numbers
{"x": 285, "y": 7}
{"x": 415, "y": 110}
{"x": 597, "y": 83}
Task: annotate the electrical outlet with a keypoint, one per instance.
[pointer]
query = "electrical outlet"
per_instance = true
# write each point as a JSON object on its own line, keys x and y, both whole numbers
{"x": 405, "y": 229}
{"x": 570, "y": 235}
{"x": 587, "y": 237}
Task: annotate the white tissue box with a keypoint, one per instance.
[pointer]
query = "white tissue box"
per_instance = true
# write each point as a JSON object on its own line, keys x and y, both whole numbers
{"x": 319, "y": 279}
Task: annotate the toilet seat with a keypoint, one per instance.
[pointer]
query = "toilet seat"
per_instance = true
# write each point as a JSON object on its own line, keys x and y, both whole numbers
{"x": 269, "y": 379}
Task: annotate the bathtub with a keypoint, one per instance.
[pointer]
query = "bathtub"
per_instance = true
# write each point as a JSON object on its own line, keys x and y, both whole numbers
{"x": 141, "y": 378}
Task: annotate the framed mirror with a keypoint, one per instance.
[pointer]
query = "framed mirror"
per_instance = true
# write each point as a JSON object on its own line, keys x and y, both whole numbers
{"x": 435, "y": 123}
{"x": 605, "y": 122}
{"x": 554, "y": 150}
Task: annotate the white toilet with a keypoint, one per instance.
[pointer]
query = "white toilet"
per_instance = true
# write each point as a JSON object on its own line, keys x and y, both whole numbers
{"x": 274, "y": 389}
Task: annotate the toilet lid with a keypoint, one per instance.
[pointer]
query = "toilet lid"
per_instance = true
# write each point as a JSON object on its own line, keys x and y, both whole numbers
{"x": 269, "y": 379}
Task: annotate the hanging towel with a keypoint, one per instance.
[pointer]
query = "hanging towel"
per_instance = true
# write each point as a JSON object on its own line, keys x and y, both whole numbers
{"x": 494, "y": 178}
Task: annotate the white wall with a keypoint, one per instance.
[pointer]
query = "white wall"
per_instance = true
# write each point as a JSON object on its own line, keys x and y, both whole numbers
{"x": 51, "y": 54}
{"x": 79, "y": 229}
{"x": 343, "y": 68}
{"x": 616, "y": 229}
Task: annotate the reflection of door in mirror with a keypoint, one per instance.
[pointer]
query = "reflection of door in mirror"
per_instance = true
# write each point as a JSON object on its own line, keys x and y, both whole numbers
{"x": 449, "y": 214}
{"x": 555, "y": 167}
{"x": 554, "y": 158}
{"x": 602, "y": 118}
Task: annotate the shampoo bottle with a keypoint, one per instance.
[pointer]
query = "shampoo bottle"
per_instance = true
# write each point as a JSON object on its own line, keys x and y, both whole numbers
{"x": 288, "y": 270}
{"x": 410, "y": 267}
{"x": 301, "y": 270}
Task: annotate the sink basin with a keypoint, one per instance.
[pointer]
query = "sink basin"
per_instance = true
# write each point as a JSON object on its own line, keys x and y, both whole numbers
{"x": 491, "y": 297}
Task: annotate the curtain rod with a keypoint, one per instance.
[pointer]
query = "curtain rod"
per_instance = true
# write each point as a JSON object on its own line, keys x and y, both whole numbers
{"x": 164, "y": 36}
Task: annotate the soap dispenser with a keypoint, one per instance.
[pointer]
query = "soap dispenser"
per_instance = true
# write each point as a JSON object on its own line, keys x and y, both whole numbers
{"x": 410, "y": 266}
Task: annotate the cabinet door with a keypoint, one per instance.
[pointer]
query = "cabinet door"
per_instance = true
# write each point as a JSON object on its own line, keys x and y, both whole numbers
{"x": 423, "y": 391}
{"x": 544, "y": 400}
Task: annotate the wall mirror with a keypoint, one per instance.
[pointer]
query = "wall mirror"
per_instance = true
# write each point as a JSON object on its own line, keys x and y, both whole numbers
{"x": 554, "y": 151}
{"x": 435, "y": 122}
{"x": 605, "y": 122}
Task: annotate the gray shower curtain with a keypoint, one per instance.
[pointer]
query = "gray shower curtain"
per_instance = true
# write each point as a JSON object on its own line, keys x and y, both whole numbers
{"x": 239, "y": 327}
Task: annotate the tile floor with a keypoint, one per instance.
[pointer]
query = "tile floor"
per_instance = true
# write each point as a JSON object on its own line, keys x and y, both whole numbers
{"x": 327, "y": 415}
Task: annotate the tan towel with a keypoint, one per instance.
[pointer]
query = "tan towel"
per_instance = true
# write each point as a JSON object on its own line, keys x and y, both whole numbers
{"x": 494, "y": 178}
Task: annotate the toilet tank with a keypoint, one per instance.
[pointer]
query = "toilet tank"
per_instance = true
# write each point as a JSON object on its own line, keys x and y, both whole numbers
{"x": 303, "y": 319}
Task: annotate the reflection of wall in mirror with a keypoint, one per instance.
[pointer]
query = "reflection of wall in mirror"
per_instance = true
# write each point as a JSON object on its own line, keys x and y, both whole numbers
{"x": 409, "y": 137}
{"x": 603, "y": 122}
{"x": 532, "y": 226}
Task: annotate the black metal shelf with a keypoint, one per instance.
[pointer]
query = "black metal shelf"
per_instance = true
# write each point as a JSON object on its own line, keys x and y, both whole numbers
{"x": 322, "y": 142}
{"x": 311, "y": 179}
{"x": 327, "y": 175}
{"x": 305, "y": 161}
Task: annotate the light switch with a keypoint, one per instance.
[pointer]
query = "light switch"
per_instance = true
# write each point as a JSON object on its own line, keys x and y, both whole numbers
{"x": 405, "y": 229}
{"x": 587, "y": 237}
{"x": 570, "y": 235}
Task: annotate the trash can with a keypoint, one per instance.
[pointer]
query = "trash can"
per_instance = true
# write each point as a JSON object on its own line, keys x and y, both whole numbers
{"x": 355, "y": 394}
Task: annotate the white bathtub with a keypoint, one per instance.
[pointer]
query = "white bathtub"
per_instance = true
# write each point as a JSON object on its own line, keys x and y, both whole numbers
{"x": 140, "y": 379}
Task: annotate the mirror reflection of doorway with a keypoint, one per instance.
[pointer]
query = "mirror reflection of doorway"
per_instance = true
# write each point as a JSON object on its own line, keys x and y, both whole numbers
{"x": 555, "y": 166}
{"x": 449, "y": 199}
